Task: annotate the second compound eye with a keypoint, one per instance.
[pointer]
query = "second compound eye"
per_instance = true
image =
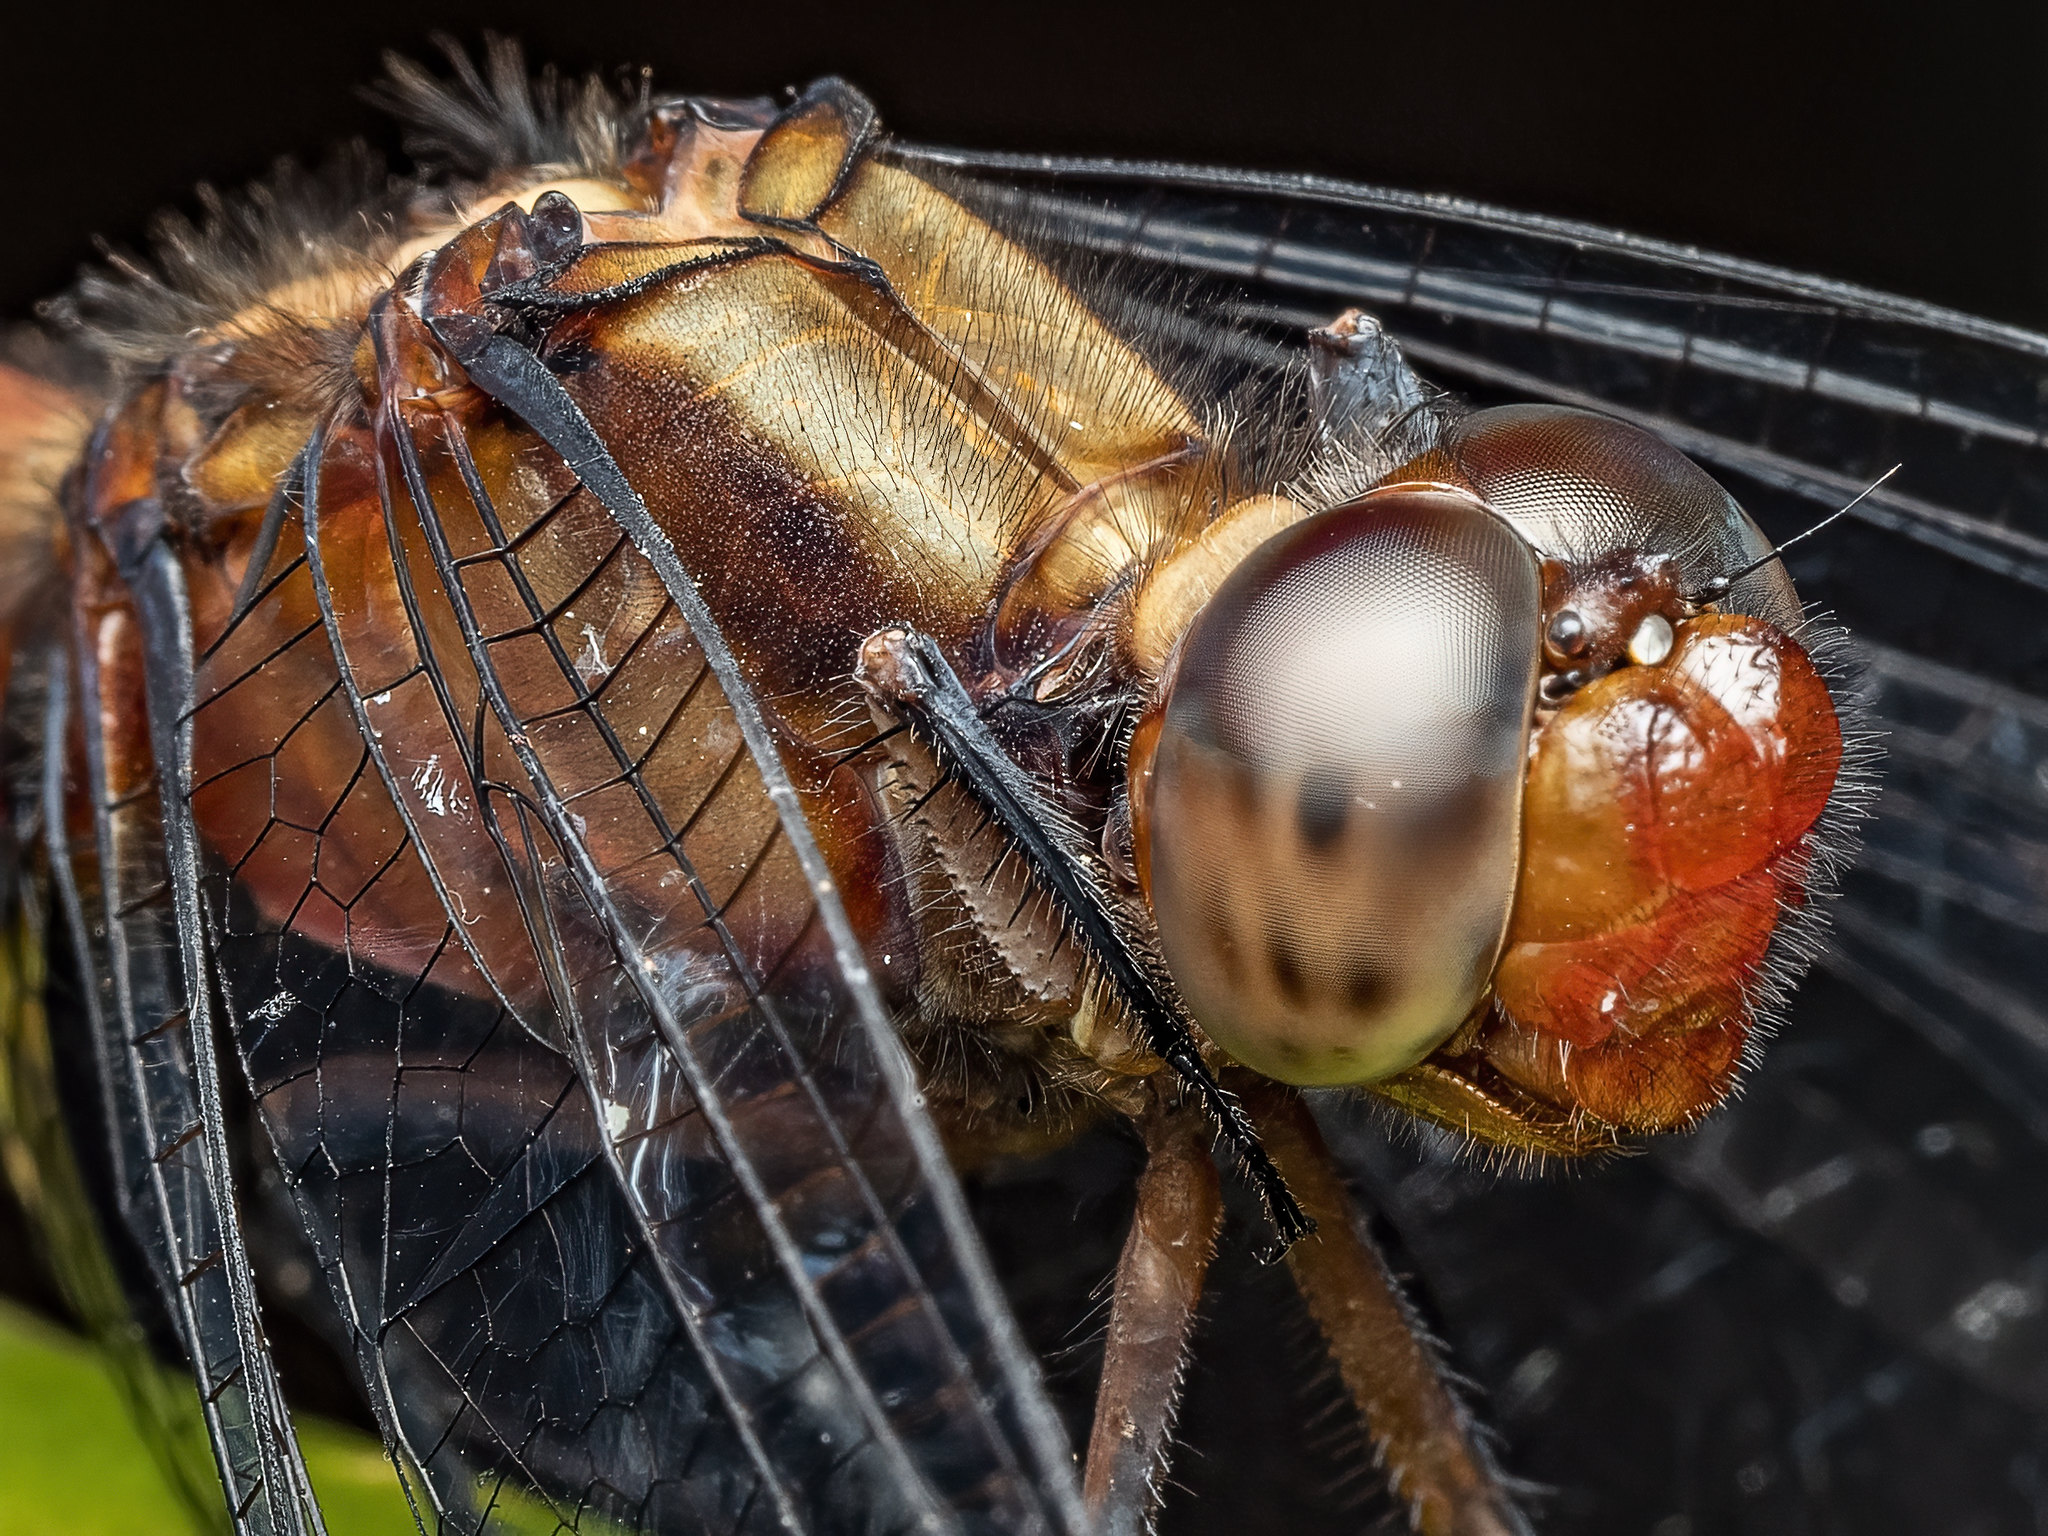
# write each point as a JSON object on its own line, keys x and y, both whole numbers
{"x": 1581, "y": 487}
{"x": 1331, "y": 797}
{"x": 1566, "y": 636}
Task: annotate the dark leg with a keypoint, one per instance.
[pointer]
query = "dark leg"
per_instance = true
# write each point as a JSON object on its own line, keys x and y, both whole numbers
{"x": 1158, "y": 1282}
{"x": 908, "y": 675}
{"x": 1424, "y": 1436}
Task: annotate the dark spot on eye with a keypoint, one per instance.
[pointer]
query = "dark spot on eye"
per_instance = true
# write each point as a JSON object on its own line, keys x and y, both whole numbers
{"x": 1321, "y": 806}
{"x": 1287, "y": 973}
{"x": 1454, "y": 822}
{"x": 1193, "y": 718}
{"x": 1367, "y": 987}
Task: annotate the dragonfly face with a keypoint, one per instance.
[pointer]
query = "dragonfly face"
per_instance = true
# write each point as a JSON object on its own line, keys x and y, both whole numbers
{"x": 1344, "y": 861}
{"x": 692, "y": 688}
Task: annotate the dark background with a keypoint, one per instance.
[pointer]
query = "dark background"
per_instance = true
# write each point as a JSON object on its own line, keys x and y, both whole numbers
{"x": 1901, "y": 145}
{"x": 1892, "y": 145}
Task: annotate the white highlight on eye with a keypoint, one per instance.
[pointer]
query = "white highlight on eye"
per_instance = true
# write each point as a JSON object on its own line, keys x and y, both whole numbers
{"x": 1652, "y": 641}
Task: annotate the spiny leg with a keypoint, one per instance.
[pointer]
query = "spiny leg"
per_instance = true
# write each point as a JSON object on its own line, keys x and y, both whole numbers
{"x": 907, "y": 673}
{"x": 1158, "y": 1281}
{"x": 1425, "y": 1438}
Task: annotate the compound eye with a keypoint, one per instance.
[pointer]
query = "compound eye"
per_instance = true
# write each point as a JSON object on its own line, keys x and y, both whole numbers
{"x": 1331, "y": 800}
{"x": 1581, "y": 486}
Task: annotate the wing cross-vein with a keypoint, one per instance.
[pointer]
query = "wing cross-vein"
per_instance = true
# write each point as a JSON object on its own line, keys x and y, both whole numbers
{"x": 641, "y": 966}
{"x": 279, "y": 1499}
{"x": 517, "y": 378}
{"x": 539, "y": 935}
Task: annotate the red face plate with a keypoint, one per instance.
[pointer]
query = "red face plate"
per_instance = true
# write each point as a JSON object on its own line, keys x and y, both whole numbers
{"x": 1668, "y": 821}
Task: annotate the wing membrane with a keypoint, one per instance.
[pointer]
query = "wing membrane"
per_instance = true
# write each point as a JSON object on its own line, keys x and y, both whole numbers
{"x": 726, "y": 1028}
{"x": 558, "y": 1031}
{"x": 153, "y": 1036}
{"x": 1946, "y": 910}
{"x": 1806, "y": 386}
{"x": 443, "y": 1154}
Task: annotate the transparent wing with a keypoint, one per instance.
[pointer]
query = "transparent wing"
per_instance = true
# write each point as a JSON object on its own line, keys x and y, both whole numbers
{"x": 1797, "y": 1307}
{"x": 123, "y": 857}
{"x": 1795, "y": 387}
{"x": 616, "y": 1169}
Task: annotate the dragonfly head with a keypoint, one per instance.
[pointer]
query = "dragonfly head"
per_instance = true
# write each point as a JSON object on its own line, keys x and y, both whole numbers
{"x": 1454, "y": 784}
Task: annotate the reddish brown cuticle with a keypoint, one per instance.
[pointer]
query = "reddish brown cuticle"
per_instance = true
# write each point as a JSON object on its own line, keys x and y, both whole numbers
{"x": 1667, "y": 820}
{"x": 1607, "y": 598}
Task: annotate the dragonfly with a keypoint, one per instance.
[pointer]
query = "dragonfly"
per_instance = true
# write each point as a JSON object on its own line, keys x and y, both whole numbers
{"x": 640, "y": 905}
